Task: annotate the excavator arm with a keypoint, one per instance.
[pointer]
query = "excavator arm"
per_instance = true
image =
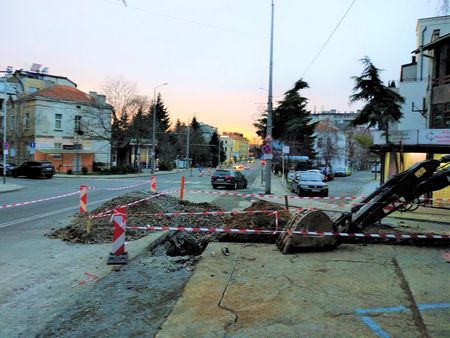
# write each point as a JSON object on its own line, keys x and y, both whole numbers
{"x": 403, "y": 188}
{"x": 400, "y": 190}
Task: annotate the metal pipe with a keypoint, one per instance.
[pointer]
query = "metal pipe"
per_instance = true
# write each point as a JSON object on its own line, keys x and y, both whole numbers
{"x": 421, "y": 53}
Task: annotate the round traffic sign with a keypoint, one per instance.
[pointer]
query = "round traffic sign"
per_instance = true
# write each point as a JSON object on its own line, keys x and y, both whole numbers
{"x": 267, "y": 149}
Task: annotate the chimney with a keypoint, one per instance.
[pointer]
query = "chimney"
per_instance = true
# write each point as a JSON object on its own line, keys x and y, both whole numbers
{"x": 413, "y": 59}
{"x": 101, "y": 100}
{"x": 93, "y": 95}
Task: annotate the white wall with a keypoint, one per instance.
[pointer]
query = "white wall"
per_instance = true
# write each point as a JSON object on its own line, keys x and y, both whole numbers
{"x": 412, "y": 91}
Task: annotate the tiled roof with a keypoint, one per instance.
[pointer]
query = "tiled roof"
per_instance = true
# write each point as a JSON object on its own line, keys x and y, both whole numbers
{"x": 65, "y": 93}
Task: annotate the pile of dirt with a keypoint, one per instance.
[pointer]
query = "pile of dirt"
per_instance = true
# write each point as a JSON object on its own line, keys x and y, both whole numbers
{"x": 257, "y": 221}
{"x": 86, "y": 229}
{"x": 89, "y": 230}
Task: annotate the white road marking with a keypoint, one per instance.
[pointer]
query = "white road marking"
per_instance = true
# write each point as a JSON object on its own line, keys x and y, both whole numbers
{"x": 46, "y": 214}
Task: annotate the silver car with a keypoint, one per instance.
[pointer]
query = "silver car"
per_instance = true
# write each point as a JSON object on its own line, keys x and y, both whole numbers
{"x": 309, "y": 183}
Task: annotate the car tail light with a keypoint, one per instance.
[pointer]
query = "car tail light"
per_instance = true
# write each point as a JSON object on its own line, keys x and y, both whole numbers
{"x": 228, "y": 178}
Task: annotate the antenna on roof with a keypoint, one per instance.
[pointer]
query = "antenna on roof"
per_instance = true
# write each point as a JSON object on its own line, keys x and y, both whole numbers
{"x": 35, "y": 67}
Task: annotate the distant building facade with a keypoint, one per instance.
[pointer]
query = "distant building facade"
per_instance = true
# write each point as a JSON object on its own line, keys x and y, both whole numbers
{"x": 50, "y": 119}
{"x": 414, "y": 84}
{"x": 240, "y": 150}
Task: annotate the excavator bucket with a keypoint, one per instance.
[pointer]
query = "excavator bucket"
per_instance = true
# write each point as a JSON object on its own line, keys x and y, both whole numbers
{"x": 307, "y": 220}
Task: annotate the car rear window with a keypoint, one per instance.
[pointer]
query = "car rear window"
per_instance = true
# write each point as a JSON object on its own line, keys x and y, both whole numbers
{"x": 310, "y": 177}
{"x": 222, "y": 173}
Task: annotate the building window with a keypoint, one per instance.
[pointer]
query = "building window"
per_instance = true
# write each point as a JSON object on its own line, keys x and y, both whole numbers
{"x": 27, "y": 121}
{"x": 1, "y": 123}
{"x": 58, "y": 145}
{"x": 12, "y": 122}
{"x": 32, "y": 90}
{"x": 58, "y": 121}
{"x": 78, "y": 124}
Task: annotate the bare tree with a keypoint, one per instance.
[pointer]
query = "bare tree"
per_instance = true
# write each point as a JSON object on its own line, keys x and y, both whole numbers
{"x": 120, "y": 93}
{"x": 330, "y": 149}
{"x": 443, "y": 6}
{"x": 116, "y": 127}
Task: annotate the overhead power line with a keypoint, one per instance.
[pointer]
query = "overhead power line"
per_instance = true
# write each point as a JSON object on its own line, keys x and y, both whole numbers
{"x": 193, "y": 22}
{"x": 329, "y": 38}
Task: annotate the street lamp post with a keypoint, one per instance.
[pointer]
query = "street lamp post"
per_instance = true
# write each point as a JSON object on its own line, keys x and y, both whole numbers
{"x": 5, "y": 150}
{"x": 269, "y": 112}
{"x": 154, "y": 129}
{"x": 5, "y": 102}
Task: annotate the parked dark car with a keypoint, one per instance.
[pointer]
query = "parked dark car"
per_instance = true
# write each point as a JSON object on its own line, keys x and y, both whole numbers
{"x": 230, "y": 179}
{"x": 34, "y": 169}
{"x": 309, "y": 183}
{"x": 9, "y": 167}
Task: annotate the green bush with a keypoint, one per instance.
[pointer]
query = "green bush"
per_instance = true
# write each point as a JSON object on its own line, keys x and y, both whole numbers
{"x": 165, "y": 166}
{"x": 69, "y": 172}
{"x": 84, "y": 170}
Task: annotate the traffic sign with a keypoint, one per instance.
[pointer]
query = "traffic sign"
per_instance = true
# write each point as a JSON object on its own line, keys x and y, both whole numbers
{"x": 5, "y": 145}
{"x": 32, "y": 145}
{"x": 268, "y": 138}
{"x": 267, "y": 149}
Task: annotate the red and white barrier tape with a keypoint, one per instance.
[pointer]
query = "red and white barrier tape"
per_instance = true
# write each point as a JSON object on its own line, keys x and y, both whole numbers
{"x": 273, "y": 196}
{"x": 204, "y": 213}
{"x": 18, "y": 204}
{"x": 90, "y": 277}
{"x": 304, "y": 233}
{"x": 328, "y": 198}
{"x": 36, "y": 201}
{"x": 119, "y": 188}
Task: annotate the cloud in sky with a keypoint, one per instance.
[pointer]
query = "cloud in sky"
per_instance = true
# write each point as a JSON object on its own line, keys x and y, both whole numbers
{"x": 213, "y": 53}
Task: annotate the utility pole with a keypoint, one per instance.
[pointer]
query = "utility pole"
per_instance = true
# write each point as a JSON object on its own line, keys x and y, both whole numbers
{"x": 187, "y": 148}
{"x": 6, "y": 96}
{"x": 269, "y": 112}
{"x": 5, "y": 150}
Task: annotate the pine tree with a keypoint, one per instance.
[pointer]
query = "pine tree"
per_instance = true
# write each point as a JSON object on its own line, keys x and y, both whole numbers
{"x": 293, "y": 123}
{"x": 215, "y": 148}
{"x": 383, "y": 105}
{"x": 199, "y": 151}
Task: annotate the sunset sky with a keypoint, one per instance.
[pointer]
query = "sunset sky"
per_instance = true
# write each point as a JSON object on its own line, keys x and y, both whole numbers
{"x": 214, "y": 54}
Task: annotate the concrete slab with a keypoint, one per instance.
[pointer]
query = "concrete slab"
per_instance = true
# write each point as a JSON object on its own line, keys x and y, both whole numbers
{"x": 353, "y": 291}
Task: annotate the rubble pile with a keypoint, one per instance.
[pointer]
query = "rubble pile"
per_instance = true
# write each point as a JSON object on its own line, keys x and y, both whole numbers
{"x": 88, "y": 230}
{"x": 256, "y": 221}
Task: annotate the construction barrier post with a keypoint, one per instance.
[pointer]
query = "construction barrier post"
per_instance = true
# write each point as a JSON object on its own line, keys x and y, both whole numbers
{"x": 153, "y": 184}
{"x": 286, "y": 203}
{"x": 118, "y": 253}
{"x": 83, "y": 199}
{"x": 182, "y": 188}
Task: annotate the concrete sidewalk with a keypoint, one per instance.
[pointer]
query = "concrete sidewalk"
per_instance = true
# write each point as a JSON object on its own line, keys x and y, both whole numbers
{"x": 9, "y": 187}
{"x": 259, "y": 292}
